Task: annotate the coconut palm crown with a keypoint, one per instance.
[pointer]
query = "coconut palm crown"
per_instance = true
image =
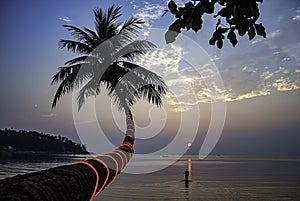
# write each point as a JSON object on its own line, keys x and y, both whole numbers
{"x": 106, "y": 60}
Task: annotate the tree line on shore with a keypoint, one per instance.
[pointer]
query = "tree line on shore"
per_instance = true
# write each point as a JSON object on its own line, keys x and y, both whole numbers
{"x": 22, "y": 140}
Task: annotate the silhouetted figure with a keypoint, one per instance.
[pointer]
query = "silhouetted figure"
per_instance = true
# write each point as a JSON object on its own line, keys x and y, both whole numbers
{"x": 186, "y": 184}
{"x": 186, "y": 175}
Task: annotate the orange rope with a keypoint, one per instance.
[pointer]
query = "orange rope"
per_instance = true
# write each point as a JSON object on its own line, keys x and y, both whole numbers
{"x": 116, "y": 170}
{"x": 107, "y": 170}
{"x": 97, "y": 176}
{"x": 127, "y": 144}
{"x": 130, "y": 129}
{"x": 120, "y": 158}
{"x": 121, "y": 152}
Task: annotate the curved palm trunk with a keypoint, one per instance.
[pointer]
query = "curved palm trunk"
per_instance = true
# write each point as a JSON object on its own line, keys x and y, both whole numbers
{"x": 80, "y": 181}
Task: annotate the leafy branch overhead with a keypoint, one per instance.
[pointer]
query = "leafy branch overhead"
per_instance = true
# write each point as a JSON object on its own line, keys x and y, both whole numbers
{"x": 232, "y": 17}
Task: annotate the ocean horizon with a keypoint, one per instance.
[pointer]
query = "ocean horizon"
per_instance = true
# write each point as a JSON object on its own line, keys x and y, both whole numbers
{"x": 217, "y": 177}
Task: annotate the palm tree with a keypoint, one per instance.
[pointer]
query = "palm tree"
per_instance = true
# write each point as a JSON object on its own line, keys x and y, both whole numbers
{"x": 105, "y": 61}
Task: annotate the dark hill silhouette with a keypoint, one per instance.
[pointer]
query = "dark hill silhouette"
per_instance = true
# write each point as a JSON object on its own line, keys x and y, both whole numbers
{"x": 22, "y": 140}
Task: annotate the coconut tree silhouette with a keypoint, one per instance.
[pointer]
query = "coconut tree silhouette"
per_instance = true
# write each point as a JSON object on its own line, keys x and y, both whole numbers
{"x": 105, "y": 61}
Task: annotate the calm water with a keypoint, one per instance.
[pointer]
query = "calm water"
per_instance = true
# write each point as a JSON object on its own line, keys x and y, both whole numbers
{"x": 216, "y": 178}
{"x": 19, "y": 163}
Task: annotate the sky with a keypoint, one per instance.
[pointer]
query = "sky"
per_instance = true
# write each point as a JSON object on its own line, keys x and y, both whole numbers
{"x": 245, "y": 97}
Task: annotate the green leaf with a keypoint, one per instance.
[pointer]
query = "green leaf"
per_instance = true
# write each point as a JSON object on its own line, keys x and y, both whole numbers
{"x": 223, "y": 30}
{"x": 176, "y": 26}
{"x": 220, "y": 43}
{"x": 197, "y": 24}
{"x": 187, "y": 17}
{"x": 173, "y": 31}
{"x": 212, "y": 41}
{"x": 189, "y": 6}
{"x": 221, "y": 2}
{"x": 232, "y": 38}
{"x": 225, "y": 12}
{"x": 180, "y": 12}
{"x": 255, "y": 13}
{"x": 208, "y": 7}
{"x": 170, "y": 36}
{"x": 260, "y": 30}
{"x": 197, "y": 18}
{"x": 198, "y": 11}
{"x": 251, "y": 32}
{"x": 241, "y": 31}
{"x": 172, "y": 7}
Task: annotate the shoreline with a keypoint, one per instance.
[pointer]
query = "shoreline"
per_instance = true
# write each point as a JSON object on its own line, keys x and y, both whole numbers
{"x": 18, "y": 152}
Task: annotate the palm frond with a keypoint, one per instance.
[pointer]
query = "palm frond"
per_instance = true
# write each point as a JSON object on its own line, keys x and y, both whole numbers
{"x": 106, "y": 23}
{"x": 134, "y": 49}
{"x": 131, "y": 25}
{"x": 70, "y": 78}
{"x": 123, "y": 97}
{"x": 153, "y": 86}
{"x": 75, "y": 46}
{"x": 64, "y": 72}
{"x": 91, "y": 88}
{"x": 87, "y": 59}
{"x": 113, "y": 13}
{"x": 78, "y": 72}
{"x": 145, "y": 74}
{"x": 80, "y": 59}
{"x": 129, "y": 30}
{"x": 92, "y": 34}
{"x": 80, "y": 35}
{"x": 66, "y": 86}
{"x": 112, "y": 75}
{"x": 126, "y": 94}
{"x": 135, "y": 83}
{"x": 151, "y": 94}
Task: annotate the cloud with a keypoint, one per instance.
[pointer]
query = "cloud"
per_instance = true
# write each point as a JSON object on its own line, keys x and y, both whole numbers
{"x": 188, "y": 84}
{"x": 266, "y": 65}
{"x": 297, "y": 17}
{"x": 149, "y": 12}
{"x": 243, "y": 78}
{"x": 269, "y": 64}
{"x": 48, "y": 115}
{"x": 232, "y": 96}
{"x": 269, "y": 36}
{"x": 65, "y": 19}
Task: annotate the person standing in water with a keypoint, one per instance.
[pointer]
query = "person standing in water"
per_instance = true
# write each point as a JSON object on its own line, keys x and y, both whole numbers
{"x": 186, "y": 175}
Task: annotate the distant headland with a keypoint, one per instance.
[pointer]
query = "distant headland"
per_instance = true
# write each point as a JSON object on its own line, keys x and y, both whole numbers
{"x": 32, "y": 141}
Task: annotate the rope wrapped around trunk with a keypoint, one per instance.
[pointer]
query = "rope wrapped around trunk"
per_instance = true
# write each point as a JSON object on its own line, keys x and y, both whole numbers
{"x": 80, "y": 181}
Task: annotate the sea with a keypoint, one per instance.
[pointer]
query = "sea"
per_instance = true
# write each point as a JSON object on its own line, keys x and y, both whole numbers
{"x": 213, "y": 178}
